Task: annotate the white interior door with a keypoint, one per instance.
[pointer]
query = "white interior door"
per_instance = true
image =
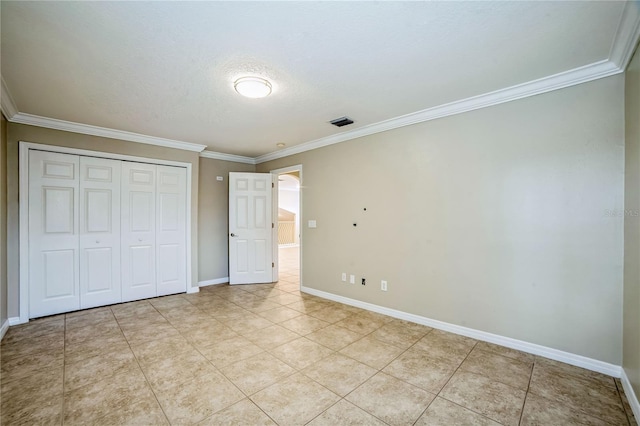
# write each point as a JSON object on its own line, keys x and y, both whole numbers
{"x": 171, "y": 211}
{"x": 250, "y": 228}
{"x": 138, "y": 231}
{"x": 99, "y": 232}
{"x": 53, "y": 233}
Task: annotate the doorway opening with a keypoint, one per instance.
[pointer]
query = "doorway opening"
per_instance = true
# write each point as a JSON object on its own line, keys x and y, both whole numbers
{"x": 289, "y": 216}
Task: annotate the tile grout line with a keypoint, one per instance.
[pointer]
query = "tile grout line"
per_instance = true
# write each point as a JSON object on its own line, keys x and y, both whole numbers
{"x": 431, "y": 402}
{"x": 93, "y": 356}
{"x": 621, "y": 401}
{"x": 497, "y": 380}
{"x": 64, "y": 367}
{"x": 572, "y": 407}
{"x": 451, "y": 377}
{"x": 146, "y": 379}
{"x": 247, "y": 396}
{"x": 411, "y": 384}
{"x": 206, "y": 359}
{"x": 222, "y": 374}
{"x": 324, "y": 411}
{"x": 373, "y": 375}
{"x": 341, "y": 398}
{"x": 296, "y": 370}
{"x": 456, "y": 370}
{"x": 237, "y": 303}
{"x": 362, "y": 336}
{"x": 526, "y": 395}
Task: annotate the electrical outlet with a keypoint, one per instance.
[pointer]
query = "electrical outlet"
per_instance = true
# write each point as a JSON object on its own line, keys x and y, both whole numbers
{"x": 364, "y": 281}
{"x": 352, "y": 279}
{"x": 344, "y": 276}
{"x": 383, "y": 285}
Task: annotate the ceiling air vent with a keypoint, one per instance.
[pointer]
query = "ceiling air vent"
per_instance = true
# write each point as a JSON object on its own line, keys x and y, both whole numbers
{"x": 342, "y": 121}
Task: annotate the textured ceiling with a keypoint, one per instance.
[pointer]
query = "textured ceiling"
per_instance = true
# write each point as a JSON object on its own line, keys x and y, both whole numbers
{"x": 166, "y": 69}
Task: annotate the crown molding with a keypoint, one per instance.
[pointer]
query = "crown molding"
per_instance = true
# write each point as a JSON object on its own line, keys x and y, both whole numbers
{"x": 227, "y": 157}
{"x": 622, "y": 48}
{"x": 8, "y": 104}
{"x": 627, "y": 35}
{"x": 546, "y": 84}
{"x": 69, "y": 126}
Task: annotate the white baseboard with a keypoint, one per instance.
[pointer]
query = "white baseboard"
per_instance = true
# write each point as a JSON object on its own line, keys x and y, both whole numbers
{"x": 222, "y": 280}
{"x": 4, "y": 328}
{"x": 193, "y": 290}
{"x": 532, "y": 348}
{"x": 17, "y": 320}
{"x": 631, "y": 395}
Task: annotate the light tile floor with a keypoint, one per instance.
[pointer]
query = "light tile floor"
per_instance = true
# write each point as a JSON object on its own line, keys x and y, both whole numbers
{"x": 267, "y": 354}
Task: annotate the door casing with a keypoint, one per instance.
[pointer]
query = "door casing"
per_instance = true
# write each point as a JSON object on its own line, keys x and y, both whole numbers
{"x": 275, "y": 173}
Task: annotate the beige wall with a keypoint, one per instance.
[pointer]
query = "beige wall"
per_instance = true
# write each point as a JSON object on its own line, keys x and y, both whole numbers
{"x": 213, "y": 242}
{"x": 3, "y": 220}
{"x": 19, "y": 132}
{"x": 631, "y": 337}
{"x": 497, "y": 219}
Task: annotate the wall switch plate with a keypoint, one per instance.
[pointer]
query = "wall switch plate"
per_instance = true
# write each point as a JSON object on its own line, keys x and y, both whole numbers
{"x": 312, "y": 224}
{"x": 383, "y": 285}
{"x": 352, "y": 279}
{"x": 219, "y": 178}
{"x": 344, "y": 276}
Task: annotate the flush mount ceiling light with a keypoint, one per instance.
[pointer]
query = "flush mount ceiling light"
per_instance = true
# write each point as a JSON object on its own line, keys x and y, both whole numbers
{"x": 252, "y": 87}
{"x": 280, "y": 145}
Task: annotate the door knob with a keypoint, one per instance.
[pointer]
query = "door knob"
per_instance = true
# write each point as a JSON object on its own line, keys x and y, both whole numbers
{"x": 233, "y": 235}
{"x": 140, "y": 240}
{"x": 97, "y": 241}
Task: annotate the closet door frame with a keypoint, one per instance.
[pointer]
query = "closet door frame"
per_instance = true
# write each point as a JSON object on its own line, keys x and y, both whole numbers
{"x": 24, "y": 148}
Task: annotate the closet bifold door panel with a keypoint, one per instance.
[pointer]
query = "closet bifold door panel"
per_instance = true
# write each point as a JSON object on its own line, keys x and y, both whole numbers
{"x": 54, "y": 282}
{"x": 103, "y": 231}
{"x": 171, "y": 211}
{"x": 99, "y": 232}
{"x": 138, "y": 235}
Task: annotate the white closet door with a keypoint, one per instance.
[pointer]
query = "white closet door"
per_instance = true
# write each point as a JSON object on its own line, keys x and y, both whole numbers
{"x": 99, "y": 232}
{"x": 53, "y": 233}
{"x": 138, "y": 231}
{"x": 171, "y": 211}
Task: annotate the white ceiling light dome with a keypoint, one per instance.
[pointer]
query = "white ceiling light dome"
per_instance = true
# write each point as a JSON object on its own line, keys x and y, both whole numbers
{"x": 253, "y": 87}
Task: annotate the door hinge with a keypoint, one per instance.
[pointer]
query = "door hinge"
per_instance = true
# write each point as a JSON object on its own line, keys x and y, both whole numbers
{"x": 273, "y": 225}
{"x": 273, "y": 185}
{"x": 273, "y": 265}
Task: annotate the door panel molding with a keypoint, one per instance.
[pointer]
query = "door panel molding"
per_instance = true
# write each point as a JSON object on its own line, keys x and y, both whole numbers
{"x": 24, "y": 148}
{"x": 250, "y": 228}
{"x": 139, "y": 231}
{"x": 53, "y": 222}
{"x": 100, "y": 232}
{"x": 170, "y": 234}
